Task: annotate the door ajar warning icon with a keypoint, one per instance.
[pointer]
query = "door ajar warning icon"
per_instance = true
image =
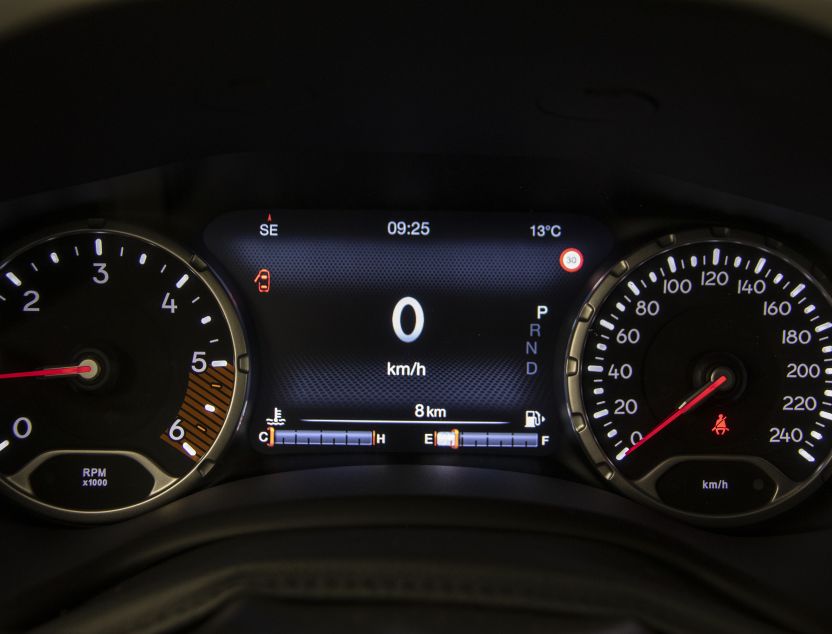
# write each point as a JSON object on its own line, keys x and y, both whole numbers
{"x": 263, "y": 280}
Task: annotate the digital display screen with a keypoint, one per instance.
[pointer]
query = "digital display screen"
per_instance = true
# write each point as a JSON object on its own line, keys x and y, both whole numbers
{"x": 380, "y": 331}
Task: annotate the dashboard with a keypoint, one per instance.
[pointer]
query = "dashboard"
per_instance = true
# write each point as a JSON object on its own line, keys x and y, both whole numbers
{"x": 376, "y": 345}
{"x": 131, "y": 364}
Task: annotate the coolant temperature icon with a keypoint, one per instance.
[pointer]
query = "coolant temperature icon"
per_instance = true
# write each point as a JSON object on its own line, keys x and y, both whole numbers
{"x": 277, "y": 418}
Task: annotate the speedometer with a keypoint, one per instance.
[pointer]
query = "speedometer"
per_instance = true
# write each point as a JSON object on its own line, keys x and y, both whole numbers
{"x": 700, "y": 376}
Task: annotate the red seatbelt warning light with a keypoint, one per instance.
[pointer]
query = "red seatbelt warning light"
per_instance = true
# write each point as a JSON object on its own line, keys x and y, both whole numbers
{"x": 571, "y": 260}
{"x": 720, "y": 427}
{"x": 263, "y": 279}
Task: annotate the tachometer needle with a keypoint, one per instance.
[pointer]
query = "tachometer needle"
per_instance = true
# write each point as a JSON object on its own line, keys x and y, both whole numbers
{"x": 68, "y": 371}
{"x": 688, "y": 404}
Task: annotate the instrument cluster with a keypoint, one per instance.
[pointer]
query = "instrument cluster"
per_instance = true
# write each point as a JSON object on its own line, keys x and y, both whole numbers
{"x": 691, "y": 372}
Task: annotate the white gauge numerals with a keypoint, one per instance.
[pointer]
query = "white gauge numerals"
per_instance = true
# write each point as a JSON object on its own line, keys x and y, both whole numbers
{"x": 169, "y": 304}
{"x": 32, "y": 299}
{"x": 102, "y": 275}
{"x": 706, "y": 356}
{"x": 418, "y": 319}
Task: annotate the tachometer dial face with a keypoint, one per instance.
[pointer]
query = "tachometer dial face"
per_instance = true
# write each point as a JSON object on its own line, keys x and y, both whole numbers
{"x": 118, "y": 373}
{"x": 701, "y": 376}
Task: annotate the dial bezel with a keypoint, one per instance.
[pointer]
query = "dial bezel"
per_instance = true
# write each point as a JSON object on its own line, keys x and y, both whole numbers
{"x": 236, "y": 410}
{"x": 788, "y": 493}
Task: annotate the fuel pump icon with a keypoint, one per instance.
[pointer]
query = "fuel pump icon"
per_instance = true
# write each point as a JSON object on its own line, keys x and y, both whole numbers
{"x": 533, "y": 418}
{"x": 263, "y": 280}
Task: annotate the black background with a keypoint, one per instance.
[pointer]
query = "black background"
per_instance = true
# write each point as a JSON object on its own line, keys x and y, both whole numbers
{"x": 650, "y": 115}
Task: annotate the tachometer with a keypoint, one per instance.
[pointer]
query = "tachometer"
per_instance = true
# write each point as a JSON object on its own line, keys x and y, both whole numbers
{"x": 700, "y": 375}
{"x": 119, "y": 377}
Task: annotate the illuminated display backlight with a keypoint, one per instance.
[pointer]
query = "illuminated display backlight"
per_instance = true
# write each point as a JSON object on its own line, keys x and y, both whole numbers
{"x": 406, "y": 332}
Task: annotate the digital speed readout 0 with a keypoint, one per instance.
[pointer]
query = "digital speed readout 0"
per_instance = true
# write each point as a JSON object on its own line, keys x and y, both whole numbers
{"x": 381, "y": 331}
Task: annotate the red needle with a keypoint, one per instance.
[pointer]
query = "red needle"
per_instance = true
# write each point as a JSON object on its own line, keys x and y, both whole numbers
{"x": 683, "y": 409}
{"x": 76, "y": 369}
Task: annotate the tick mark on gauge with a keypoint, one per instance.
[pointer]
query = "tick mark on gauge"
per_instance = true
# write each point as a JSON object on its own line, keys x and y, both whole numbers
{"x": 182, "y": 281}
{"x": 210, "y": 408}
{"x": 54, "y": 257}
{"x": 806, "y": 455}
{"x": 221, "y": 363}
{"x": 205, "y": 320}
{"x": 143, "y": 259}
{"x": 99, "y": 247}
{"x": 633, "y": 288}
{"x": 4, "y": 444}
{"x": 34, "y": 268}
{"x": 13, "y": 279}
{"x": 188, "y": 449}
{"x": 164, "y": 267}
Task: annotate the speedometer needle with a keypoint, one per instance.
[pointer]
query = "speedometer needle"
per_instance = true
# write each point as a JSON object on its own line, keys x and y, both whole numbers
{"x": 68, "y": 371}
{"x": 688, "y": 404}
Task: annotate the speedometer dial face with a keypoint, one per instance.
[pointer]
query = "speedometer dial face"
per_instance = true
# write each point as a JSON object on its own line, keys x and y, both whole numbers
{"x": 701, "y": 376}
{"x": 118, "y": 373}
